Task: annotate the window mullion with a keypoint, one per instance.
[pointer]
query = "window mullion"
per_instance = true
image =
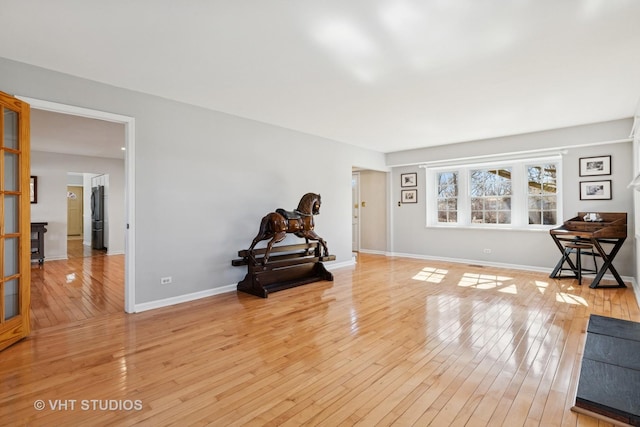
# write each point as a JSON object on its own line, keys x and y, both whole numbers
{"x": 519, "y": 195}
{"x": 464, "y": 195}
{"x": 431, "y": 197}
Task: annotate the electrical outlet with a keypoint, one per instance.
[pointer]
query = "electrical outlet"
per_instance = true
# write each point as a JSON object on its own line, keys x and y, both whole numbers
{"x": 486, "y": 251}
{"x": 165, "y": 280}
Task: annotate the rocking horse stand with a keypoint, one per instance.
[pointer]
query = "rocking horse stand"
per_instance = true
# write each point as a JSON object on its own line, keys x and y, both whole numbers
{"x": 288, "y": 267}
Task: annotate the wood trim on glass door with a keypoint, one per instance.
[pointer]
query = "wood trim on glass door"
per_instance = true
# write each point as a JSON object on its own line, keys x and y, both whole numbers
{"x": 17, "y": 326}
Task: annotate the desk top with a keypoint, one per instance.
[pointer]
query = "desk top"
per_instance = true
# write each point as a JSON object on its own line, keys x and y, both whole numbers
{"x": 613, "y": 225}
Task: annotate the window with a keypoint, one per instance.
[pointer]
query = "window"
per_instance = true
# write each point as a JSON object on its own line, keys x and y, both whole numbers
{"x": 448, "y": 197}
{"x": 542, "y": 194}
{"x": 506, "y": 194}
{"x": 491, "y": 196}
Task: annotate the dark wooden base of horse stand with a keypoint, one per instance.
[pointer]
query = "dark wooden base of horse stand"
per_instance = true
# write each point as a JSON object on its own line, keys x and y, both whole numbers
{"x": 288, "y": 267}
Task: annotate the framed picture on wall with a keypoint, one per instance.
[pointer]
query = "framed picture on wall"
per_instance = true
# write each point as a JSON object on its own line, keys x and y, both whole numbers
{"x": 408, "y": 179}
{"x": 592, "y": 166}
{"x": 595, "y": 190}
{"x": 33, "y": 189}
{"x": 409, "y": 196}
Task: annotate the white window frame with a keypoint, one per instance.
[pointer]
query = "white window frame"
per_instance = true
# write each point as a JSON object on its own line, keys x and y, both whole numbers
{"x": 519, "y": 198}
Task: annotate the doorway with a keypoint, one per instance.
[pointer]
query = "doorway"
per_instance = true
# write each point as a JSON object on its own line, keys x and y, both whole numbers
{"x": 355, "y": 211}
{"x": 75, "y": 212}
{"x": 79, "y": 216}
{"x": 370, "y": 211}
{"x": 129, "y": 183}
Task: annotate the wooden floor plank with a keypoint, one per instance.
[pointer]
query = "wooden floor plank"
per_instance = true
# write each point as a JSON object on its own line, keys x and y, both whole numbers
{"x": 391, "y": 341}
{"x": 86, "y": 285}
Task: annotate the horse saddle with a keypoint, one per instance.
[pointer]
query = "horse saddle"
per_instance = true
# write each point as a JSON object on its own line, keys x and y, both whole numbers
{"x": 288, "y": 214}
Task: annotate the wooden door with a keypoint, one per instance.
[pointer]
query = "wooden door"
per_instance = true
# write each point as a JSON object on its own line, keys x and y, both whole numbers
{"x": 74, "y": 211}
{"x": 15, "y": 227}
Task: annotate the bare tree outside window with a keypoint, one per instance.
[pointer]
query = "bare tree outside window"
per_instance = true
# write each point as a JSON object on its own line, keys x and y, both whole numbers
{"x": 519, "y": 193}
{"x": 448, "y": 197}
{"x": 491, "y": 196}
{"x": 542, "y": 194}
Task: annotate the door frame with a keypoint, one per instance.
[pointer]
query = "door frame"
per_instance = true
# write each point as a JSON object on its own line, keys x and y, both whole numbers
{"x": 356, "y": 175}
{"x": 129, "y": 182}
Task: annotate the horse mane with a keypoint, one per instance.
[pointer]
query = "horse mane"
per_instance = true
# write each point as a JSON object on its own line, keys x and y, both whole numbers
{"x": 306, "y": 202}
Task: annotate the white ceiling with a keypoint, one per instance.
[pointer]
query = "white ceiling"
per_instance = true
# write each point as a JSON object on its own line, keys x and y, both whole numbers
{"x": 385, "y": 74}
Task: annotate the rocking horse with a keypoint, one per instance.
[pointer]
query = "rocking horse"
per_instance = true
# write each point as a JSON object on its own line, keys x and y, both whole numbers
{"x": 276, "y": 225}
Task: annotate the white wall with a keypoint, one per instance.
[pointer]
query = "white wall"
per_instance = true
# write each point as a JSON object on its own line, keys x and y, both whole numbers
{"x": 517, "y": 247}
{"x": 51, "y": 170}
{"x": 74, "y": 178}
{"x": 204, "y": 179}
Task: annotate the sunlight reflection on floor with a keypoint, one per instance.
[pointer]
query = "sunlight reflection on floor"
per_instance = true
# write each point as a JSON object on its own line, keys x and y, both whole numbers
{"x": 502, "y": 284}
{"x": 485, "y": 281}
{"x": 429, "y": 274}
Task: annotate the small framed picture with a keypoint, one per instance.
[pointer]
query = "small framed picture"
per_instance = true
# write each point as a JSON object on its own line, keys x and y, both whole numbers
{"x": 408, "y": 179}
{"x": 592, "y": 166}
{"x": 409, "y": 196}
{"x": 595, "y": 190}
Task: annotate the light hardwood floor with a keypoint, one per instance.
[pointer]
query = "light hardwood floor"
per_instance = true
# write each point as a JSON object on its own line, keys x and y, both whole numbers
{"x": 87, "y": 285}
{"x": 391, "y": 341}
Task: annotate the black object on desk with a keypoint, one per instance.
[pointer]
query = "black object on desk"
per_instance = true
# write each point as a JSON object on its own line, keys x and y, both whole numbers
{"x": 611, "y": 229}
{"x": 610, "y": 370}
{"x": 37, "y": 240}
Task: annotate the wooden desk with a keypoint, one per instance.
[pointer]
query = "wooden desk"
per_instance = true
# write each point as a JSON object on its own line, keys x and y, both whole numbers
{"x": 37, "y": 240}
{"x": 611, "y": 230}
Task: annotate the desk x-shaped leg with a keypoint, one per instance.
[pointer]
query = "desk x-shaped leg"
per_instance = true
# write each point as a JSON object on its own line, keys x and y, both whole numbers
{"x": 565, "y": 257}
{"x": 608, "y": 260}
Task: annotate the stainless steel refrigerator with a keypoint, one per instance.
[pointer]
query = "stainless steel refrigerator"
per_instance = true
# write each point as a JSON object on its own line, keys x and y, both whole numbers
{"x": 97, "y": 217}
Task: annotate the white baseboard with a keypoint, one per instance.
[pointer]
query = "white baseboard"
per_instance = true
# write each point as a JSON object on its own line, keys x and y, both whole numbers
{"x": 373, "y": 252}
{"x": 151, "y": 305}
{"x": 52, "y": 258}
{"x": 474, "y": 262}
{"x": 333, "y": 265}
{"x": 502, "y": 265}
{"x": 183, "y": 298}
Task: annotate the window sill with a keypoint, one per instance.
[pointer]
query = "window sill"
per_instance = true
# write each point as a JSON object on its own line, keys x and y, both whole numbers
{"x": 544, "y": 229}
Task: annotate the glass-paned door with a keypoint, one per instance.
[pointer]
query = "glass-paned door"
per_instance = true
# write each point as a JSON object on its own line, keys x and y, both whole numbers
{"x": 15, "y": 227}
